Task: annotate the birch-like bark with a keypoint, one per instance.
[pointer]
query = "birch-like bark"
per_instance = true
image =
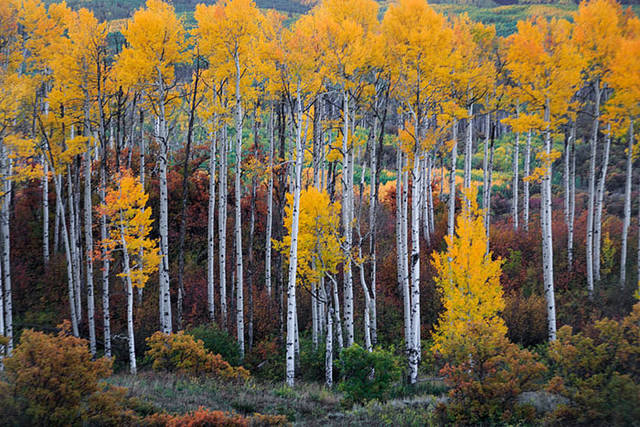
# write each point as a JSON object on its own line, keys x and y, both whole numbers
{"x": 238, "y": 216}
{"x": 163, "y": 136}
{"x": 487, "y": 212}
{"x": 328, "y": 354}
{"x": 347, "y": 219}
{"x": 211, "y": 225}
{"x": 547, "y": 238}
{"x": 414, "y": 350}
{"x": 293, "y": 250}
{"x": 106, "y": 316}
{"x": 269, "y": 225}
{"x": 627, "y": 206}
{"x": 127, "y": 276}
{"x": 572, "y": 200}
{"x": 452, "y": 180}
{"x": 142, "y": 173}
{"x": 222, "y": 227}
{"x": 75, "y": 259}
{"x": 88, "y": 240}
{"x": 592, "y": 192}
{"x": 468, "y": 149}
{"x": 6, "y": 249}
{"x": 67, "y": 250}
{"x": 45, "y": 211}
{"x": 516, "y": 180}
{"x": 597, "y": 229}
{"x": 527, "y": 172}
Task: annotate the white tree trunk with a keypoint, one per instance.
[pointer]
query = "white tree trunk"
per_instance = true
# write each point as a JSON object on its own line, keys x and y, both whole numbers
{"x": 347, "y": 219}
{"x": 75, "y": 259}
{"x": 328, "y": 355}
{"x": 547, "y": 238}
{"x": 592, "y": 193}
{"x": 222, "y": 228}
{"x": 45, "y": 210}
{"x": 527, "y": 172}
{"x": 572, "y": 200}
{"x": 516, "y": 180}
{"x": 468, "y": 149}
{"x": 6, "y": 249}
{"x": 452, "y": 180}
{"x": 211, "y": 228}
{"x": 67, "y": 250}
{"x": 269, "y": 225}
{"x": 238, "y": 219}
{"x": 127, "y": 273}
{"x": 106, "y": 316}
{"x": 597, "y": 229}
{"x": 88, "y": 239}
{"x": 627, "y": 206}
{"x": 293, "y": 251}
{"x": 414, "y": 349}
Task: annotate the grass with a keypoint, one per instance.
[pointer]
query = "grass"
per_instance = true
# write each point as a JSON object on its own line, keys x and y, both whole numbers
{"x": 308, "y": 404}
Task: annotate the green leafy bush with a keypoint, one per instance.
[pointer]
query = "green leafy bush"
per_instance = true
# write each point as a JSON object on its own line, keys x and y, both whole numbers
{"x": 267, "y": 360}
{"x": 217, "y": 341}
{"x": 599, "y": 371}
{"x": 367, "y": 375}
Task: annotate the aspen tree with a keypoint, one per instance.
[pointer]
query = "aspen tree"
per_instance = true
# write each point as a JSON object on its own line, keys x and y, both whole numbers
{"x": 129, "y": 228}
{"x": 596, "y": 35}
{"x": 155, "y": 38}
{"x": 537, "y": 58}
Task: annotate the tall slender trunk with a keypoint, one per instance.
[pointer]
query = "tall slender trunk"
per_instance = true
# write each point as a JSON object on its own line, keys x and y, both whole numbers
{"x": 211, "y": 225}
{"x": 142, "y": 172}
{"x": 293, "y": 250}
{"x": 269, "y": 225}
{"x": 597, "y": 229}
{"x": 347, "y": 219}
{"x": 75, "y": 260}
{"x": 547, "y": 238}
{"x": 592, "y": 193}
{"x": 527, "y": 172}
{"x": 165, "y": 296}
{"x": 487, "y": 212}
{"x": 88, "y": 239}
{"x": 452, "y": 180}
{"x": 127, "y": 276}
{"x": 67, "y": 250}
{"x": 468, "y": 149}
{"x": 6, "y": 248}
{"x": 238, "y": 216}
{"x": 572, "y": 199}
{"x": 106, "y": 317}
{"x": 222, "y": 227}
{"x": 627, "y": 206}
{"x": 45, "y": 211}
{"x": 516, "y": 180}
{"x": 414, "y": 350}
{"x": 328, "y": 355}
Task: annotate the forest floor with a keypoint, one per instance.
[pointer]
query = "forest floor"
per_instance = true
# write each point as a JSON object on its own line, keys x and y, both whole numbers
{"x": 307, "y": 404}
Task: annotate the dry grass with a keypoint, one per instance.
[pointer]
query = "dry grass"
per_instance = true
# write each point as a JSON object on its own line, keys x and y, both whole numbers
{"x": 308, "y": 404}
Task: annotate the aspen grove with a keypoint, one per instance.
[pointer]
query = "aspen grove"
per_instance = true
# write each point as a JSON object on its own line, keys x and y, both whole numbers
{"x": 387, "y": 178}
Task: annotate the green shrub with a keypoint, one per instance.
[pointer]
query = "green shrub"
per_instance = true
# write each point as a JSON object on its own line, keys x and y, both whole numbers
{"x": 267, "y": 360}
{"x": 217, "y": 341}
{"x": 599, "y": 371}
{"x": 367, "y": 375}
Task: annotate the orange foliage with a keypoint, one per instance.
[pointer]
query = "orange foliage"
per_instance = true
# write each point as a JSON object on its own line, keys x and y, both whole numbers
{"x": 182, "y": 353}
